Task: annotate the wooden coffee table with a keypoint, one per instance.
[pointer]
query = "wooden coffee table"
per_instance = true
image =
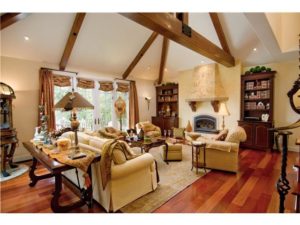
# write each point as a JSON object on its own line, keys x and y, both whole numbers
{"x": 147, "y": 145}
{"x": 55, "y": 169}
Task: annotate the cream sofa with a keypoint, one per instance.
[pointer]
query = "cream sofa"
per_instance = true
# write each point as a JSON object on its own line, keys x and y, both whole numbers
{"x": 129, "y": 181}
{"x": 223, "y": 155}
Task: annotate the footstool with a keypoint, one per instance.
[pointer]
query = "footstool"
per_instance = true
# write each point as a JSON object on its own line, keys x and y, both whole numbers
{"x": 174, "y": 152}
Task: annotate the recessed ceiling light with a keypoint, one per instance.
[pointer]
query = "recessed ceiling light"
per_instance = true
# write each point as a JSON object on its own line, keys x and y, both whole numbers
{"x": 26, "y": 38}
{"x": 202, "y": 61}
{"x": 254, "y": 49}
{"x": 166, "y": 69}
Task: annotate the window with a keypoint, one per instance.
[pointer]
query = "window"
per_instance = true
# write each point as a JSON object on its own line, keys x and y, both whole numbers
{"x": 62, "y": 119}
{"x": 86, "y": 116}
{"x": 102, "y": 115}
{"x": 105, "y": 118}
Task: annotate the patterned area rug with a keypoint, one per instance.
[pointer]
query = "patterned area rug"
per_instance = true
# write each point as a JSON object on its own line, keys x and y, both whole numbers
{"x": 173, "y": 178}
{"x": 15, "y": 172}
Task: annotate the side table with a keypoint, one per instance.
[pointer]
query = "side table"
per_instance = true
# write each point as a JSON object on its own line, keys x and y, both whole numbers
{"x": 196, "y": 149}
{"x": 55, "y": 169}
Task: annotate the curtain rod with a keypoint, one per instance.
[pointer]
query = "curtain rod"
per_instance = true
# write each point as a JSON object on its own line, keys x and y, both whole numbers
{"x": 123, "y": 79}
{"x": 59, "y": 70}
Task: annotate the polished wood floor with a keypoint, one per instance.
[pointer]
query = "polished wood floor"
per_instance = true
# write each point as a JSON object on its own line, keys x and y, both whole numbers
{"x": 252, "y": 190}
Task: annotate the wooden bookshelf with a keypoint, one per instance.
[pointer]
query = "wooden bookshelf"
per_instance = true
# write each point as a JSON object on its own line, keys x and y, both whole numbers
{"x": 257, "y": 92}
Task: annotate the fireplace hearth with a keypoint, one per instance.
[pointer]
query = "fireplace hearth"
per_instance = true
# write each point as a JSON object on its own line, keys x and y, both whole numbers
{"x": 205, "y": 124}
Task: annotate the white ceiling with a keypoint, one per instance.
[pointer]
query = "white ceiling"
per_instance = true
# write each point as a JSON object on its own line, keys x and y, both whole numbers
{"x": 108, "y": 42}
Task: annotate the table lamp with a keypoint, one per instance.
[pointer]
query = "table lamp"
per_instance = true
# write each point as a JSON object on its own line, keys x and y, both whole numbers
{"x": 223, "y": 111}
{"x": 73, "y": 101}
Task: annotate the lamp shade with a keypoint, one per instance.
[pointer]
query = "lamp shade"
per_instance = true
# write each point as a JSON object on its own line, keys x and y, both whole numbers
{"x": 73, "y": 100}
{"x": 223, "y": 111}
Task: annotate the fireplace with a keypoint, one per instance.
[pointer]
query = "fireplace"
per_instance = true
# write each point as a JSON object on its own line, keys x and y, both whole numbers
{"x": 205, "y": 124}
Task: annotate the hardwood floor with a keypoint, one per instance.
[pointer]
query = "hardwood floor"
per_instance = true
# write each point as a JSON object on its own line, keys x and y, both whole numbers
{"x": 252, "y": 190}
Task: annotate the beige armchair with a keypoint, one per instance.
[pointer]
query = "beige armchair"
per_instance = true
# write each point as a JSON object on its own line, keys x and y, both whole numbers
{"x": 223, "y": 155}
{"x": 149, "y": 129}
{"x": 112, "y": 133}
{"x": 129, "y": 181}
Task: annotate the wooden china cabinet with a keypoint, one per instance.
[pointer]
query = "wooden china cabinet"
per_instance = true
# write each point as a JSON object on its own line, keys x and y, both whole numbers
{"x": 257, "y": 110}
{"x": 166, "y": 107}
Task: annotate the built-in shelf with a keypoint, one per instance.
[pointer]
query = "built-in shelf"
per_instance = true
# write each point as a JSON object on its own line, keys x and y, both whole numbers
{"x": 257, "y": 100}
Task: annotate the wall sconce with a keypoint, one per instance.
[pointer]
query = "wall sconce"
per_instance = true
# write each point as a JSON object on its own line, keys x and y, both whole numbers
{"x": 148, "y": 99}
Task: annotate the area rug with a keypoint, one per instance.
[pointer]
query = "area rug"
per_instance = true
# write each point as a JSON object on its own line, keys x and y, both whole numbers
{"x": 14, "y": 172}
{"x": 174, "y": 178}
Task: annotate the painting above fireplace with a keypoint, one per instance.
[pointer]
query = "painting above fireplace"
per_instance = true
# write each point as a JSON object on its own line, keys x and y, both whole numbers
{"x": 205, "y": 124}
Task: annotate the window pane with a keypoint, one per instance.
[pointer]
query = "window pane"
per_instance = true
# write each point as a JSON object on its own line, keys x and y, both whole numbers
{"x": 62, "y": 119}
{"x": 125, "y": 118}
{"x": 86, "y": 116}
{"x": 105, "y": 109}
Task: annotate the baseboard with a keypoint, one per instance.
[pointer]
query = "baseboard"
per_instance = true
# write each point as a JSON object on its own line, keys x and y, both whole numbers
{"x": 21, "y": 158}
{"x": 293, "y": 148}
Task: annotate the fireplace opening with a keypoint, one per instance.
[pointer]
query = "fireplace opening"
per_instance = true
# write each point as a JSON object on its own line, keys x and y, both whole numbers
{"x": 205, "y": 124}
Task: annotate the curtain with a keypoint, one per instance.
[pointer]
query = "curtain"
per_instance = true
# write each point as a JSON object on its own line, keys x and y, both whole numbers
{"x": 61, "y": 81}
{"x": 84, "y": 83}
{"x": 122, "y": 87}
{"x": 133, "y": 106}
{"x": 46, "y": 96}
{"x": 106, "y": 85}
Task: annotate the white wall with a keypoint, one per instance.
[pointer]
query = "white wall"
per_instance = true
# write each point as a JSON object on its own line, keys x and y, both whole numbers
{"x": 23, "y": 77}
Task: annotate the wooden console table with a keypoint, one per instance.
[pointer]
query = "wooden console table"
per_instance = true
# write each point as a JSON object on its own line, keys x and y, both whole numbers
{"x": 55, "y": 170}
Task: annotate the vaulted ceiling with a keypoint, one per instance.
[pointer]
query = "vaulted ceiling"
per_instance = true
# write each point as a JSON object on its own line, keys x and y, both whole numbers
{"x": 108, "y": 42}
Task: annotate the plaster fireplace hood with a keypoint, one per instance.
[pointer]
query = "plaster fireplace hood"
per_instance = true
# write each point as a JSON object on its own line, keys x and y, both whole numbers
{"x": 207, "y": 87}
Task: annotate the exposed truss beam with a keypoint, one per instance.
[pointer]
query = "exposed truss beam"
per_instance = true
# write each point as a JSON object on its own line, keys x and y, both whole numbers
{"x": 170, "y": 27}
{"x": 163, "y": 59}
{"x": 184, "y": 17}
{"x": 71, "y": 40}
{"x": 8, "y": 19}
{"x": 140, "y": 54}
{"x": 218, "y": 27}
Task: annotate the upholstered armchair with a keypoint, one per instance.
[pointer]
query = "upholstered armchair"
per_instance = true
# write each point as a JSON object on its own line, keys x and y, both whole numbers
{"x": 149, "y": 129}
{"x": 112, "y": 133}
{"x": 223, "y": 155}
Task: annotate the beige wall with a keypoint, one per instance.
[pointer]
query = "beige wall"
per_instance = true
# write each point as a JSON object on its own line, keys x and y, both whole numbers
{"x": 287, "y": 73}
{"x": 22, "y": 76}
{"x": 230, "y": 78}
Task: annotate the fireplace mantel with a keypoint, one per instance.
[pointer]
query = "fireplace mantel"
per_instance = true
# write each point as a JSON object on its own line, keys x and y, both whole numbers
{"x": 215, "y": 102}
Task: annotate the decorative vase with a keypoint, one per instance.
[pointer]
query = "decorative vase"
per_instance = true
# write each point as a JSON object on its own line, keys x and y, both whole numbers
{"x": 189, "y": 127}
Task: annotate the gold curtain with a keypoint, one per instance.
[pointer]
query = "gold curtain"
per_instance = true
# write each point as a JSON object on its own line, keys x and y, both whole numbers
{"x": 46, "y": 96}
{"x": 84, "y": 83}
{"x": 61, "y": 81}
{"x": 106, "y": 85}
{"x": 133, "y": 106}
{"x": 122, "y": 87}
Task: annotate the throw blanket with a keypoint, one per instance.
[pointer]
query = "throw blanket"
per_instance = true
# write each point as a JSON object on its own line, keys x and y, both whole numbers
{"x": 106, "y": 157}
{"x": 81, "y": 163}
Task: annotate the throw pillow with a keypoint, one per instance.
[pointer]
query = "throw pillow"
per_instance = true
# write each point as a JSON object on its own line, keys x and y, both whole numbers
{"x": 221, "y": 136}
{"x": 237, "y": 136}
{"x": 110, "y": 130}
{"x": 118, "y": 156}
{"x": 178, "y": 133}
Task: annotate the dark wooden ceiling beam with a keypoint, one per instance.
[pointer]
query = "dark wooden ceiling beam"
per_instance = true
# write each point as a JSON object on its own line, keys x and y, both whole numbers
{"x": 183, "y": 17}
{"x": 170, "y": 27}
{"x": 140, "y": 54}
{"x": 8, "y": 19}
{"x": 71, "y": 40}
{"x": 218, "y": 27}
{"x": 163, "y": 59}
